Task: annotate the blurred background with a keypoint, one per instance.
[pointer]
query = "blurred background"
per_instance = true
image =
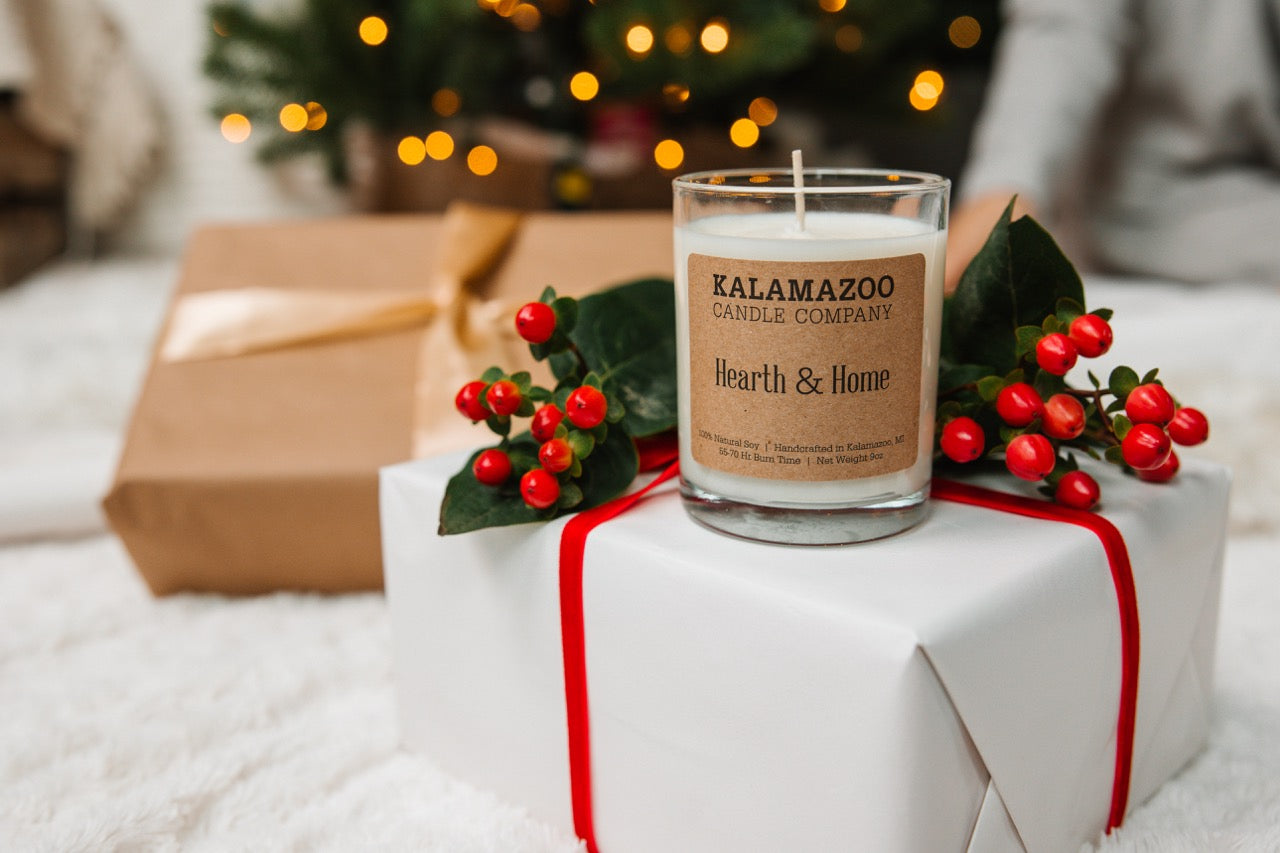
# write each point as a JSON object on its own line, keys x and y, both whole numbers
{"x": 126, "y": 123}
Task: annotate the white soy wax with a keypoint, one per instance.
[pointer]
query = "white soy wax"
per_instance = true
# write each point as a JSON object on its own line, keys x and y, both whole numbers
{"x": 807, "y": 373}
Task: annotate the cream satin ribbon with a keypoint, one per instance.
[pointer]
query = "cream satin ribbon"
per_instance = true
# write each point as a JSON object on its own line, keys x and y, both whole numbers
{"x": 463, "y": 333}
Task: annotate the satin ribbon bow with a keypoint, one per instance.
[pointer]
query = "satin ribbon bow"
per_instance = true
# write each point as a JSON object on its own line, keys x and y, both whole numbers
{"x": 463, "y": 333}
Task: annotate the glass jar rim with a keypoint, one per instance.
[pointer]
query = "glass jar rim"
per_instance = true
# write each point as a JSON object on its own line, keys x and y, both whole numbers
{"x": 779, "y": 180}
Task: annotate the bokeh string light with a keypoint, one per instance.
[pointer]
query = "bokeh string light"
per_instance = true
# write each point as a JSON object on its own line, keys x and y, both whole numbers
{"x": 640, "y": 37}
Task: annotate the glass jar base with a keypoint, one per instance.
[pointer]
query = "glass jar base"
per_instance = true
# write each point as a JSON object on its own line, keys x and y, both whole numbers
{"x": 790, "y": 525}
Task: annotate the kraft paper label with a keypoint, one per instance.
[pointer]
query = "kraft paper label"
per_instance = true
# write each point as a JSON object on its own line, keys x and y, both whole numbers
{"x": 806, "y": 370}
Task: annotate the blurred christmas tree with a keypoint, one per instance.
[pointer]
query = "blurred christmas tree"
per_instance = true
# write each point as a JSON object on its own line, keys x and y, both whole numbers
{"x": 424, "y": 72}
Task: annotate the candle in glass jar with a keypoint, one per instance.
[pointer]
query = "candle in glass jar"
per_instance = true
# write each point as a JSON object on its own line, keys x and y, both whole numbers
{"x": 807, "y": 360}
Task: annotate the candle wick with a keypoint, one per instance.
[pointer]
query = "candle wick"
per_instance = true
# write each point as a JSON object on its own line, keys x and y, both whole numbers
{"x": 797, "y": 177}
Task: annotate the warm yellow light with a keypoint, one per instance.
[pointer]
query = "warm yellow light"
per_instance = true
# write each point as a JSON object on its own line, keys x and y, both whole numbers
{"x": 293, "y": 117}
{"x": 236, "y": 128}
{"x": 762, "y": 111}
{"x": 668, "y": 154}
{"x": 929, "y": 84}
{"x": 640, "y": 39}
{"x": 573, "y": 186}
{"x": 446, "y": 102}
{"x": 831, "y": 5}
{"x": 849, "y": 38}
{"x": 919, "y": 101}
{"x": 317, "y": 116}
{"x": 482, "y": 160}
{"x": 526, "y": 17}
{"x": 675, "y": 94}
{"x": 373, "y": 30}
{"x": 487, "y": 5}
{"x": 411, "y": 151}
{"x": 584, "y": 86}
{"x": 964, "y": 31}
{"x": 678, "y": 39}
{"x": 506, "y": 8}
{"x": 744, "y": 133}
{"x": 220, "y": 28}
{"x": 439, "y": 145}
{"x": 715, "y": 36}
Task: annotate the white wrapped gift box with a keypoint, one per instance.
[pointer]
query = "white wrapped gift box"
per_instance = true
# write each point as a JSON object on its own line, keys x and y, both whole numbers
{"x": 955, "y": 687}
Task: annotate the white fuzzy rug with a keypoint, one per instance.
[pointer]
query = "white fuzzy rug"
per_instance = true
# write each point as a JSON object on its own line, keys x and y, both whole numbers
{"x": 203, "y": 723}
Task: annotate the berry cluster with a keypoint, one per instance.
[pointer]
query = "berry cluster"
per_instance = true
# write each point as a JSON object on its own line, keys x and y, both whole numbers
{"x": 1038, "y": 417}
{"x": 567, "y": 422}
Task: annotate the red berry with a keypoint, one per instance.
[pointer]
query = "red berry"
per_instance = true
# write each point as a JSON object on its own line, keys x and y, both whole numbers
{"x": 540, "y": 489}
{"x": 1188, "y": 427}
{"x": 1029, "y": 457}
{"x": 555, "y": 455}
{"x": 492, "y": 467}
{"x": 1077, "y": 490}
{"x": 536, "y": 322}
{"x": 1164, "y": 472}
{"x": 1091, "y": 334}
{"x": 469, "y": 403}
{"x": 1063, "y": 417}
{"x": 545, "y": 420}
{"x": 586, "y": 407}
{"x": 962, "y": 440}
{"x": 1146, "y": 446}
{"x": 1056, "y": 354}
{"x": 1018, "y": 404}
{"x": 1149, "y": 404}
{"x": 503, "y": 397}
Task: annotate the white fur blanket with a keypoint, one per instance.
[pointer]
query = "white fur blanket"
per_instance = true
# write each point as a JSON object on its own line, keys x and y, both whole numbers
{"x": 199, "y": 722}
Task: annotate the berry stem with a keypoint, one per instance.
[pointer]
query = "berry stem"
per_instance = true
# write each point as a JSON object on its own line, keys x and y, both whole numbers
{"x": 582, "y": 362}
{"x": 1095, "y": 396}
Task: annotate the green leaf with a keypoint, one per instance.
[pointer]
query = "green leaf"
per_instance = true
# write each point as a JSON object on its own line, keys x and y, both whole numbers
{"x": 526, "y": 408}
{"x": 570, "y": 495}
{"x": 1016, "y": 279}
{"x": 500, "y": 424}
{"x": 1104, "y": 313}
{"x": 1121, "y": 425}
{"x": 548, "y": 295}
{"x": 592, "y": 379}
{"x": 523, "y": 381}
{"x": 1115, "y": 406}
{"x": 954, "y": 377}
{"x": 470, "y": 505}
{"x": 493, "y": 374}
{"x": 1114, "y": 455}
{"x": 1046, "y": 384}
{"x": 1094, "y": 379}
{"x": 1027, "y": 338}
{"x": 627, "y": 336}
{"x": 1150, "y": 375}
{"x": 581, "y": 443}
{"x": 989, "y": 387}
{"x": 614, "y": 464}
{"x": 1052, "y": 324}
{"x": 1067, "y": 310}
{"x": 1123, "y": 380}
{"x": 566, "y": 311}
{"x": 614, "y": 410}
{"x": 539, "y": 394}
{"x": 562, "y": 392}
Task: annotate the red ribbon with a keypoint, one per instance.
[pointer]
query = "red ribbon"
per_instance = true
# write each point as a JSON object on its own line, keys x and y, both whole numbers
{"x": 573, "y": 542}
{"x": 1126, "y": 596}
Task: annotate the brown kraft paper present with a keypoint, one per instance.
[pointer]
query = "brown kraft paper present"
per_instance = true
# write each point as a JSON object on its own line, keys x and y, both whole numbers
{"x": 253, "y": 467}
